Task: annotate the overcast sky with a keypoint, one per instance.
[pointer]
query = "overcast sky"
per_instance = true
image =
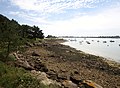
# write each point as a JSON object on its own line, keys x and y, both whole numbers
{"x": 66, "y": 17}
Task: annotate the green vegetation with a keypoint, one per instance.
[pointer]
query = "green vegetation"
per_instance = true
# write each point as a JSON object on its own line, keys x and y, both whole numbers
{"x": 13, "y": 77}
{"x": 50, "y": 36}
{"x": 9, "y": 38}
{"x": 13, "y": 35}
{"x": 31, "y": 32}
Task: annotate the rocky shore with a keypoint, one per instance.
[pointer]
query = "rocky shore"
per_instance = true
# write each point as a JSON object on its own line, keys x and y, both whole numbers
{"x": 66, "y": 67}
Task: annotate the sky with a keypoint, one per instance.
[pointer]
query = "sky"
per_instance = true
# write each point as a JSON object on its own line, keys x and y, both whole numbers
{"x": 66, "y": 17}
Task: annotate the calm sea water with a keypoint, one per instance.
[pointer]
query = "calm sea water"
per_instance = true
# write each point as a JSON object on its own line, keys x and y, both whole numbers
{"x": 105, "y": 47}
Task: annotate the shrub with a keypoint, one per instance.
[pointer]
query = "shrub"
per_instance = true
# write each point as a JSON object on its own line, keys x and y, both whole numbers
{"x": 13, "y": 77}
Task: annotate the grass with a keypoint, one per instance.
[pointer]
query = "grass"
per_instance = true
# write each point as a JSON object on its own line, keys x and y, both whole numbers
{"x": 13, "y": 77}
{"x": 11, "y": 57}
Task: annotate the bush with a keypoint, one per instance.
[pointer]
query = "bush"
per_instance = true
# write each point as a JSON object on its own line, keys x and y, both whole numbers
{"x": 13, "y": 77}
{"x": 3, "y": 58}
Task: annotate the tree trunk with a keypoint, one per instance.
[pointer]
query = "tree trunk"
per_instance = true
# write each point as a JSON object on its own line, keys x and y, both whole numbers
{"x": 8, "y": 49}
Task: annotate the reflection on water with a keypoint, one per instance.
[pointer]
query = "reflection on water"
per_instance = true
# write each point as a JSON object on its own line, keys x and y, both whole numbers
{"x": 105, "y": 47}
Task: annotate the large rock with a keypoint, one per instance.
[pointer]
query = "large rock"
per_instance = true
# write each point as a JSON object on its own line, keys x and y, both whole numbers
{"x": 62, "y": 76}
{"x": 42, "y": 76}
{"x": 75, "y": 77}
{"x": 89, "y": 84}
{"x": 40, "y": 66}
{"x": 69, "y": 84}
{"x": 52, "y": 74}
{"x": 22, "y": 63}
{"x": 35, "y": 53}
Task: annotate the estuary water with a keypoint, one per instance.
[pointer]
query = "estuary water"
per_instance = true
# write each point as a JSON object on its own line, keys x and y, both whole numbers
{"x": 106, "y": 47}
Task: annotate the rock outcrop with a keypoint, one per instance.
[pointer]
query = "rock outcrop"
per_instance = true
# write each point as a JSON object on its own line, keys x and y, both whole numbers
{"x": 42, "y": 77}
{"x": 69, "y": 84}
{"x": 35, "y": 53}
{"x": 65, "y": 67}
{"x": 65, "y": 80}
{"x": 21, "y": 62}
{"x": 89, "y": 84}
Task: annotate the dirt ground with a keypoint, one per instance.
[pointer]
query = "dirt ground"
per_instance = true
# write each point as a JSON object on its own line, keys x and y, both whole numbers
{"x": 68, "y": 62}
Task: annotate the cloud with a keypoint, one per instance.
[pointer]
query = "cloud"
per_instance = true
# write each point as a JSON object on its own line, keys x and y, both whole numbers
{"x": 55, "y": 6}
{"x": 14, "y": 13}
{"x": 33, "y": 18}
{"x": 104, "y": 17}
{"x": 52, "y": 6}
{"x": 105, "y": 22}
{"x": 44, "y": 8}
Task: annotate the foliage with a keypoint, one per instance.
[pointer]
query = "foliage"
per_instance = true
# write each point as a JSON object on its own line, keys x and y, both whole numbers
{"x": 50, "y": 36}
{"x": 37, "y": 32}
{"x": 9, "y": 38}
{"x": 31, "y": 32}
{"x": 28, "y": 32}
{"x": 13, "y": 77}
{"x": 24, "y": 30}
{"x": 13, "y": 35}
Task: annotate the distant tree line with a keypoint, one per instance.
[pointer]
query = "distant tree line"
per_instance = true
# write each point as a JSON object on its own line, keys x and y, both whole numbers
{"x": 51, "y": 36}
{"x": 12, "y": 34}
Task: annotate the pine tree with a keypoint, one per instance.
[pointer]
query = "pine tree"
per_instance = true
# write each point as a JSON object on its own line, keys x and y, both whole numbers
{"x": 9, "y": 37}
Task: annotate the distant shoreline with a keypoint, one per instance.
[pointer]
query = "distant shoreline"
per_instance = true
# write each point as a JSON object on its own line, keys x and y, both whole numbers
{"x": 89, "y": 36}
{"x": 110, "y": 61}
{"x": 62, "y": 62}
